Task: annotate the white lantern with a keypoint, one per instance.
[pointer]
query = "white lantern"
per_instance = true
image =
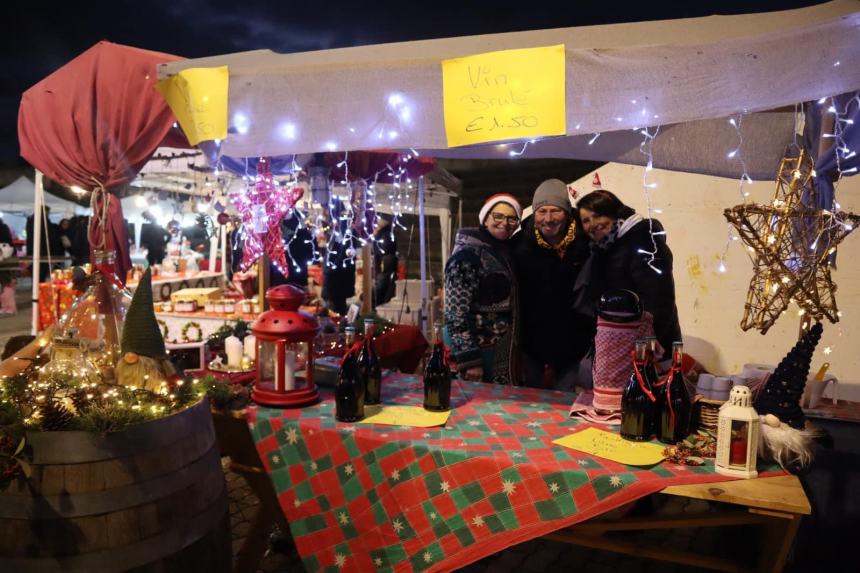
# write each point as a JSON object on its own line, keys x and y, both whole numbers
{"x": 737, "y": 435}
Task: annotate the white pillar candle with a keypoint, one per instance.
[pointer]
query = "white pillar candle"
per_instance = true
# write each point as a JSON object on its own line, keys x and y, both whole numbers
{"x": 250, "y": 344}
{"x": 289, "y": 370}
{"x": 233, "y": 348}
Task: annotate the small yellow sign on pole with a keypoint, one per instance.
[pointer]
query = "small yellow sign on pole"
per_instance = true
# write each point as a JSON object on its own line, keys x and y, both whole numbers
{"x": 198, "y": 98}
{"x": 613, "y": 447}
{"x": 505, "y": 95}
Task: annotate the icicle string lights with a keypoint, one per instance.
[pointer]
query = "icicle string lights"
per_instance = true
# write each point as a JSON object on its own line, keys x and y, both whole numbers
{"x": 646, "y": 149}
{"x": 735, "y": 154}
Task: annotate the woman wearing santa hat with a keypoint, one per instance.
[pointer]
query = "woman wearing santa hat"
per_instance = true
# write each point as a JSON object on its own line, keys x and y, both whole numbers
{"x": 481, "y": 295}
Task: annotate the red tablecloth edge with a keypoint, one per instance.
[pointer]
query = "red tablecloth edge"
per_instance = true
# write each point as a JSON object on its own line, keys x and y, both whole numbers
{"x": 502, "y": 541}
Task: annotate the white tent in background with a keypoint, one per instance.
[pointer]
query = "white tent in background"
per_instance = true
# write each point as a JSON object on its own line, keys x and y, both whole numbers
{"x": 16, "y": 204}
{"x": 17, "y": 197}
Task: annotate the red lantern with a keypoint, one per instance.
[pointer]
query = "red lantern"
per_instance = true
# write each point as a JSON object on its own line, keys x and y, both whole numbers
{"x": 284, "y": 354}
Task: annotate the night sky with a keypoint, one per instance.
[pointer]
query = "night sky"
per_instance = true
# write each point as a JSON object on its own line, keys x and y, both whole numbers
{"x": 40, "y": 37}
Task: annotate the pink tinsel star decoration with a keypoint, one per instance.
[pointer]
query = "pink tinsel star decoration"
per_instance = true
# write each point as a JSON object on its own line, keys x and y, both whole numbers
{"x": 262, "y": 207}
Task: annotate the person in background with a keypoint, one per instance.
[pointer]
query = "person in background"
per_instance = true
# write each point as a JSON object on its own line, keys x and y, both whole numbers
{"x": 65, "y": 231}
{"x": 154, "y": 238}
{"x": 8, "y": 272}
{"x": 481, "y": 312}
{"x": 621, "y": 244}
{"x": 339, "y": 261}
{"x": 298, "y": 244}
{"x": 5, "y": 233}
{"x": 198, "y": 233}
{"x": 548, "y": 259}
{"x": 385, "y": 260}
{"x": 79, "y": 248}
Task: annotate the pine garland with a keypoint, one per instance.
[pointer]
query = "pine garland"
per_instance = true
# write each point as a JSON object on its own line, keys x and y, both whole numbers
{"x": 65, "y": 403}
{"x": 104, "y": 419}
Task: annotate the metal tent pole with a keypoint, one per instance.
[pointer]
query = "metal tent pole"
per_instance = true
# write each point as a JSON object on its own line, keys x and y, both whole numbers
{"x": 423, "y": 246}
{"x": 38, "y": 199}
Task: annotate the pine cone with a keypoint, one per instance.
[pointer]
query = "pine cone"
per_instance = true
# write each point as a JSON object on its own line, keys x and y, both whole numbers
{"x": 55, "y": 416}
{"x": 80, "y": 400}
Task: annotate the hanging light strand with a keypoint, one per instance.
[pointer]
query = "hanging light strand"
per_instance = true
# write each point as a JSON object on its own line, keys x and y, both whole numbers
{"x": 646, "y": 148}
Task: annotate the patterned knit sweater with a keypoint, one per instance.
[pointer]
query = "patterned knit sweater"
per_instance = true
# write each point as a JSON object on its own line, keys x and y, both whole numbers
{"x": 481, "y": 302}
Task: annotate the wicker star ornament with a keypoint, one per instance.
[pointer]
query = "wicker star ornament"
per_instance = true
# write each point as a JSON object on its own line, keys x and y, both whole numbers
{"x": 790, "y": 244}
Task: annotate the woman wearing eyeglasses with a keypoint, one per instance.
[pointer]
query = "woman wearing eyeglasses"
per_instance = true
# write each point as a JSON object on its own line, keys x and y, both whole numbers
{"x": 481, "y": 295}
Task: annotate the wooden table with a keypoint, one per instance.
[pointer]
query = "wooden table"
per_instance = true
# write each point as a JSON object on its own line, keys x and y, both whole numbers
{"x": 775, "y": 503}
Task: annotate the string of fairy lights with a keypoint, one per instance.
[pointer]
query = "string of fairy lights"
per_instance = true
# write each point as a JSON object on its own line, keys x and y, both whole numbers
{"x": 646, "y": 148}
{"x": 735, "y": 154}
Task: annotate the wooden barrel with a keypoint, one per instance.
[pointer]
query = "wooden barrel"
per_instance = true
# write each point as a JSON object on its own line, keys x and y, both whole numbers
{"x": 149, "y": 498}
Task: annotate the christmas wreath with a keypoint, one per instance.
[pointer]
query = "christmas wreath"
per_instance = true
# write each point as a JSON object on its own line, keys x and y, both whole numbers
{"x": 192, "y": 332}
{"x": 163, "y": 326}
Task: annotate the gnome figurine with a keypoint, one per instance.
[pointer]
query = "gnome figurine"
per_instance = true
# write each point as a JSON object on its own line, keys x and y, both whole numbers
{"x": 144, "y": 362}
{"x": 784, "y": 436}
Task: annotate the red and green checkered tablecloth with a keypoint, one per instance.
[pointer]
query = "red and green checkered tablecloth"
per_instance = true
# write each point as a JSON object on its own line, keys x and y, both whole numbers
{"x": 392, "y": 498}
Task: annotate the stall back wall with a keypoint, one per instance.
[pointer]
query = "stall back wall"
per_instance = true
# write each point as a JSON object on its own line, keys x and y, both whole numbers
{"x": 710, "y": 303}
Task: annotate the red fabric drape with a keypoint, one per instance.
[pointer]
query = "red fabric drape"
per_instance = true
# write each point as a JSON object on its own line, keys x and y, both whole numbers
{"x": 375, "y": 164}
{"x": 94, "y": 123}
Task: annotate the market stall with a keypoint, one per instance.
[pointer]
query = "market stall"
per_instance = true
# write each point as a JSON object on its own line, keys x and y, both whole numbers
{"x": 618, "y": 83}
{"x": 490, "y": 472}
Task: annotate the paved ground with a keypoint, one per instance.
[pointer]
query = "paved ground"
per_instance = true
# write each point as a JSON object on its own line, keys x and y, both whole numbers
{"x": 530, "y": 557}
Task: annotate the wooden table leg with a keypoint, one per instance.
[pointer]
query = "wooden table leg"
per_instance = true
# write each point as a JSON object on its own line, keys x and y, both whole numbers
{"x": 268, "y": 515}
{"x": 256, "y": 542}
{"x": 778, "y": 541}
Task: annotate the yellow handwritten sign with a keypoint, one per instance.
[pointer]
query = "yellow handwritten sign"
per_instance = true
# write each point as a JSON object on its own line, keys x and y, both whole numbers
{"x": 613, "y": 447}
{"x": 511, "y": 94}
{"x": 198, "y": 98}
{"x": 414, "y": 416}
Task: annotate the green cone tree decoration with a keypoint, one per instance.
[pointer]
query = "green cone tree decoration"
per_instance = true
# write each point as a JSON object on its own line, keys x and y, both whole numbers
{"x": 783, "y": 390}
{"x": 141, "y": 333}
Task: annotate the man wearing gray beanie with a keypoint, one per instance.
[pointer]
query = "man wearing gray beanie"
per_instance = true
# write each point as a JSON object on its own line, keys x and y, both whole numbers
{"x": 547, "y": 259}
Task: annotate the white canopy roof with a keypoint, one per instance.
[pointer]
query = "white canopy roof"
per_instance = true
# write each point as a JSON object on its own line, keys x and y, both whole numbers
{"x": 686, "y": 75}
{"x": 18, "y": 197}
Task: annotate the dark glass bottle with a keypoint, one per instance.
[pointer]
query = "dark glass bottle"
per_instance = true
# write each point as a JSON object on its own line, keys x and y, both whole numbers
{"x": 369, "y": 368}
{"x": 655, "y": 383}
{"x": 675, "y": 406}
{"x": 350, "y": 388}
{"x": 637, "y": 402}
{"x": 437, "y": 376}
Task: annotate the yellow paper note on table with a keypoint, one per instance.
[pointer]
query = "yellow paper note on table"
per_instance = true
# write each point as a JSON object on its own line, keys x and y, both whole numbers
{"x": 613, "y": 447}
{"x": 510, "y": 94}
{"x": 198, "y": 99}
{"x": 414, "y": 416}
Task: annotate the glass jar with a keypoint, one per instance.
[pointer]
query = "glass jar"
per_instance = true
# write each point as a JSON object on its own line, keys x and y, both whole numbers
{"x": 92, "y": 327}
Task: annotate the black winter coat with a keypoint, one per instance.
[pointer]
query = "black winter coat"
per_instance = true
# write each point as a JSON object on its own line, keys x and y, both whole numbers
{"x": 551, "y": 330}
{"x": 623, "y": 266}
